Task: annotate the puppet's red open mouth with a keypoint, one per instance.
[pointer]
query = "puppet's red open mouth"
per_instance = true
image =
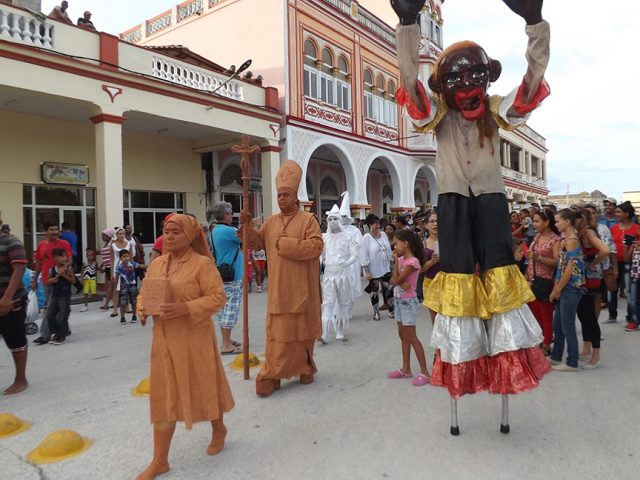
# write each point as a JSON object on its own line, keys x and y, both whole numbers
{"x": 471, "y": 103}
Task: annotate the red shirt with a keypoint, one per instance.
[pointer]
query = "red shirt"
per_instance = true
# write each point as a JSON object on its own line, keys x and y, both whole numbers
{"x": 43, "y": 255}
{"x": 618, "y": 237}
{"x": 157, "y": 245}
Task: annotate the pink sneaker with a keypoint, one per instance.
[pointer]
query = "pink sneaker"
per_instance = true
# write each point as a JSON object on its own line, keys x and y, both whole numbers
{"x": 420, "y": 380}
{"x": 398, "y": 374}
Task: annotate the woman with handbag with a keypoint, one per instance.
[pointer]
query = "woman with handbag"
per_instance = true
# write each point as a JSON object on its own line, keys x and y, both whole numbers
{"x": 595, "y": 251}
{"x": 227, "y": 251}
{"x": 376, "y": 260}
{"x": 543, "y": 259}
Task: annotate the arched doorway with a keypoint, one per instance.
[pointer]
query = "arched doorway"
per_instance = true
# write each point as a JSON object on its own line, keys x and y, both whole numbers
{"x": 425, "y": 192}
{"x": 383, "y": 185}
{"x": 328, "y": 175}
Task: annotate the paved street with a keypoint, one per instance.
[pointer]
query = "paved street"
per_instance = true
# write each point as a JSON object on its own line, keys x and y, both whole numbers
{"x": 352, "y": 423}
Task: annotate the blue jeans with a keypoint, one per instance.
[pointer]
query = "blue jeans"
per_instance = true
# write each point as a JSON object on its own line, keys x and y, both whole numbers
{"x": 633, "y": 300}
{"x": 57, "y": 315}
{"x": 564, "y": 326}
{"x": 624, "y": 280}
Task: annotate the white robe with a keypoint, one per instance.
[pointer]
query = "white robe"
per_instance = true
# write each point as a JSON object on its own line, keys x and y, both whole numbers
{"x": 339, "y": 255}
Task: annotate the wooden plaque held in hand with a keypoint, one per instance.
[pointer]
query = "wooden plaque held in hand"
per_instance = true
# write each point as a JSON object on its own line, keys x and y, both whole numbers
{"x": 156, "y": 292}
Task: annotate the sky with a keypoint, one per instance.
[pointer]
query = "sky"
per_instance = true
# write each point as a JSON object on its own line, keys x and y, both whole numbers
{"x": 592, "y": 133}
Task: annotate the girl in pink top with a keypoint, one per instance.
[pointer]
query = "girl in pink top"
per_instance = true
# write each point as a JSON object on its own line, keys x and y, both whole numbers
{"x": 408, "y": 258}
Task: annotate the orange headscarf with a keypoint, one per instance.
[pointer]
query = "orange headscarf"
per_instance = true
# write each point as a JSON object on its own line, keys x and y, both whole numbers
{"x": 194, "y": 233}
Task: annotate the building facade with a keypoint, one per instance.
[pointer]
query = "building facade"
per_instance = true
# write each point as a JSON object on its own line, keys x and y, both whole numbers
{"x": 335, "y": 66}
{"x": 98, "y": 132}
{"x": 581, "y": 198}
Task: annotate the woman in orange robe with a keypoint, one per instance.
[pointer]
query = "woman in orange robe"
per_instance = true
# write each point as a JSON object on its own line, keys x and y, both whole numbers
{"x": 188, "y": 382}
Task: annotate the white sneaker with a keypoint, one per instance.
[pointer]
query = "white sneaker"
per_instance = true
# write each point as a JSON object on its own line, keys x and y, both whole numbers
{"x": 84, "y": 309}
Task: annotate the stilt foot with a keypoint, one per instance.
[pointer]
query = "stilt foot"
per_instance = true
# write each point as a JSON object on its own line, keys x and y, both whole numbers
{"x": 504, "y": 429}
{"x": 455, "y": 431}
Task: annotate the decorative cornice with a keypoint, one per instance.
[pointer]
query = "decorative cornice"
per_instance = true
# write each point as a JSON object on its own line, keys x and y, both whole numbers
{"x": 107, "y": 118}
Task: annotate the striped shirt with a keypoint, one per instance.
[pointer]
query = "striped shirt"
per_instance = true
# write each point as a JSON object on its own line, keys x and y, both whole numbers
{"x": 11, "y": 252}
{"x": 105, "y": 255}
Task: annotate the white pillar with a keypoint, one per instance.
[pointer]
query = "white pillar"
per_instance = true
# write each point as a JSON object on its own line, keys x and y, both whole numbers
{"x": 270, "y": 163}
{"x": 108, "y": 137}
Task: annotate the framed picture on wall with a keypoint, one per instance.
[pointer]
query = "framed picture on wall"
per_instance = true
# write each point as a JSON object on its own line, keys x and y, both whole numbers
{"x": 65, "y": 173}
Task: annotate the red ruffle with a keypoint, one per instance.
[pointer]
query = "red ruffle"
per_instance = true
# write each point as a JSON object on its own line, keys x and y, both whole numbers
{"x": 524, "y": 108}
{"x": 515, "y": 372}
{"x": 463, "y": 378}
{"x": 404, "y": 100}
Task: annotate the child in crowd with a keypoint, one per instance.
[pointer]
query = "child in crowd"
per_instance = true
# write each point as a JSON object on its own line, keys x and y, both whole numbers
{"x": 249, "y": 254}
{"x": 259, "y": 261}
{"x": 518, "y": 249}
{"x": 90, "y": 277}
{"x": 408, "y": 257}
{"x": 126, "y": 277}
{"x": 60, "y": 279}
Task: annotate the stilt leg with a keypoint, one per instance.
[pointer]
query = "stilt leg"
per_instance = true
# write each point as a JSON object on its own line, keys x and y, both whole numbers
{"x": 455, "y": 429}
{"x": 504, "y": 426}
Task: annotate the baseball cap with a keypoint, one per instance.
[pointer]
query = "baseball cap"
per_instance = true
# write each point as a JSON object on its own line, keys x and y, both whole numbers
{"x": 610, "y": 200}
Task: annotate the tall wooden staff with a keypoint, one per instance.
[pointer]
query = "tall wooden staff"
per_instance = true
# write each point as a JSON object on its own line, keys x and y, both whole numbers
{"x": 245, "y": 150}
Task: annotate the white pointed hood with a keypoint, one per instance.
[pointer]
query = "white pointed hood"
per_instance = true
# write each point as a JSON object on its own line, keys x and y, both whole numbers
{"x": 334, "y": 211}
{"x": 345, "y": 209}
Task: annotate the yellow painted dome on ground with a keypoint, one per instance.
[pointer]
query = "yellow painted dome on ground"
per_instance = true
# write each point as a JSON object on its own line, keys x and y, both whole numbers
{"x": 58, "y": 446}
{"x": 143, "y": 389}
{"x": 11, "y": 425}
{"x": 238, "y": 362}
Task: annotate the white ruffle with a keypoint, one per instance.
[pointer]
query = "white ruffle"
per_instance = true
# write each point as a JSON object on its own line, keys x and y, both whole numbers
{"x": 513, "y": 330}
{"x": 459, "y": 339}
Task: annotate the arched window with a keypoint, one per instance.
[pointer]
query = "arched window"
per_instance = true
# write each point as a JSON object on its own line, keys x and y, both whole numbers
{"x": 368, "y": 95}
{"x": 380, "y": 85}
{"x": 310, "y": 53}
{"x": 387, "y": 193}
{"x": 368, "y": 79}
{"x": 343, "y": 86}
{"x": 343, "y": 66}
{"x": 327, "y": 60}
{"x": 230, "y": 175}
{"x": 310, "y": 72}
{"x": 328, "y": 187}
{"x": 391, "y": 88}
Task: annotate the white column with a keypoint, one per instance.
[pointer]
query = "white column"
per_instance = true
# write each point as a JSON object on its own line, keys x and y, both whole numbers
{"x": 108, "y": 137}
{"x": 270, "y": 163}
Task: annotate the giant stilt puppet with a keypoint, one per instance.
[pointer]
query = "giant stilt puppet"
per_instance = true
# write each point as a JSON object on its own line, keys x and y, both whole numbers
{"x": 484, "y": 334}
{"x": 339, "y": 255}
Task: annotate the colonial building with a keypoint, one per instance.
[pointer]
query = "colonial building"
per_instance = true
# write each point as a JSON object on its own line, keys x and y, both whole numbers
{"x": 97, "y": 131}
{"x": 582, "y": 198}
{"x": 335, "y": 66}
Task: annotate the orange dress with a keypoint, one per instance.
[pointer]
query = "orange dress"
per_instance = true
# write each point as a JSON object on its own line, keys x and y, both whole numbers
{"x": 294, "y": 300}
{"x": 188, "y": 381}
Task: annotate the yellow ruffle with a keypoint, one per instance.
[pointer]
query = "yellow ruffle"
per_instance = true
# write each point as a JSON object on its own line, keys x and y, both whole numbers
{"x": 506, "y": 288}
{"x": 425, "y": 287}
{"x": 457, "y": 295}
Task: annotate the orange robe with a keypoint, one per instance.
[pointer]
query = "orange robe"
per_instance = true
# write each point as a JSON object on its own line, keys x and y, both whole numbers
{"x": 188, "y": 382}
{"x": 293, "y": 308}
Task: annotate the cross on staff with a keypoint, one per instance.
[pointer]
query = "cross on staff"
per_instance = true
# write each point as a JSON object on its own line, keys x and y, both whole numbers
{"x": 245, "y": 150}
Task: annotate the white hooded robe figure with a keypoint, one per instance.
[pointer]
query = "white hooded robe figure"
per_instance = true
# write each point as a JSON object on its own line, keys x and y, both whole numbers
{"x": 356, "y": 234}
{"x": 339, "y": 255}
